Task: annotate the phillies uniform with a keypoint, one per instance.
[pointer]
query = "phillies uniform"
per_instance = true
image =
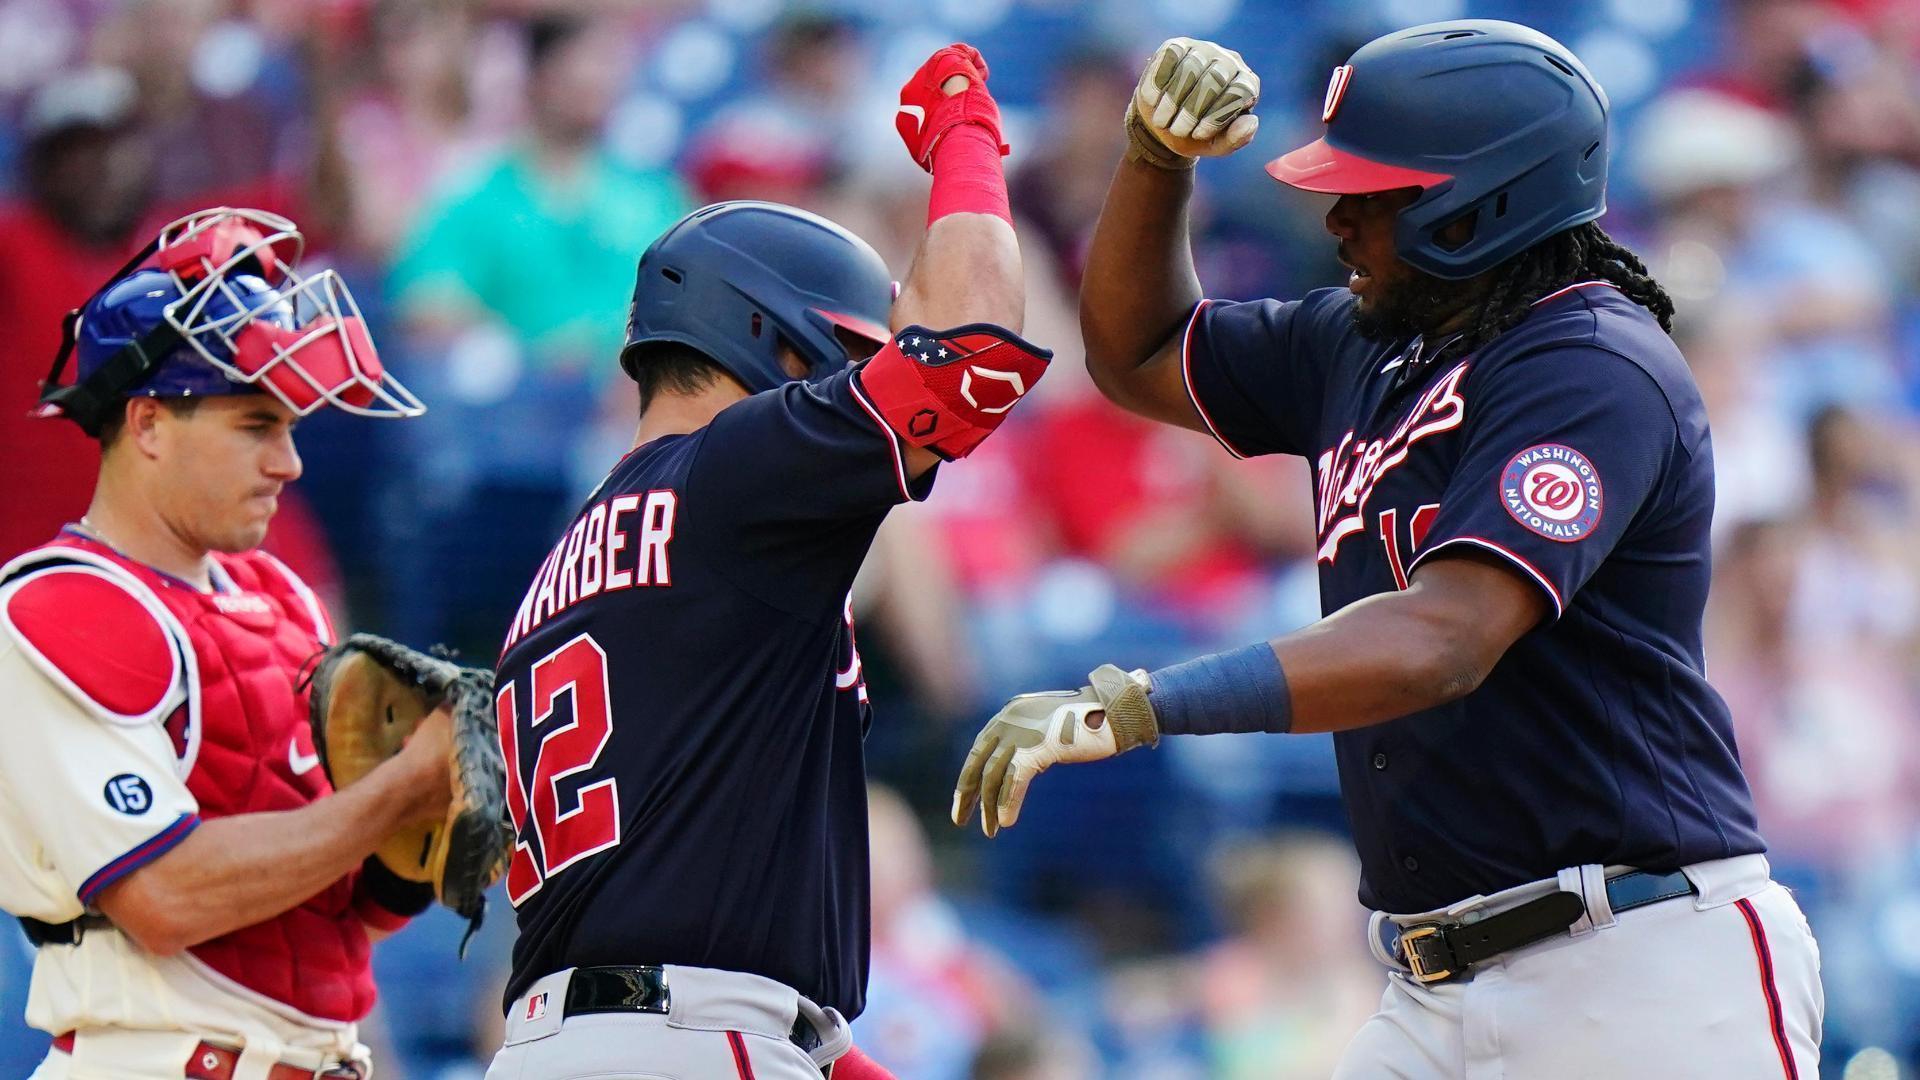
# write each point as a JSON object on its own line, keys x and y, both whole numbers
{"x": 140, "y": 706}
{"x": 1573, "y": 448}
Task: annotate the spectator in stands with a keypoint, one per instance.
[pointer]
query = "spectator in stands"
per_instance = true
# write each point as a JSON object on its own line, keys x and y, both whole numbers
{"x": 513, "y": 287}
{"x": 214, "y": 139}
{"x": 407, "y": 126}
{"x": 86, "y": 188}
{"x": 932, "y": 995}
{"x": 1280, "y": 998}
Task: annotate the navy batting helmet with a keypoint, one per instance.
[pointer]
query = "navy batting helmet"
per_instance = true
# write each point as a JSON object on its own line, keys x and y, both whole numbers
{"x": 1494, "y": 121}
{"x": 735, "y": 279}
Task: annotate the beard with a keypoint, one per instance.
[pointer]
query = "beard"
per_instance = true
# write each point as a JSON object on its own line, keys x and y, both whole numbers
{"x": 1418, "y": 303}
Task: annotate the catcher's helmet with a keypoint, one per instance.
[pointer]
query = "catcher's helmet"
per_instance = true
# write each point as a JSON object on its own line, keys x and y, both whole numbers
{"x": 215, "y": 306}
{"x": 736, "y": 278}
{"x": 1493, "y": 120}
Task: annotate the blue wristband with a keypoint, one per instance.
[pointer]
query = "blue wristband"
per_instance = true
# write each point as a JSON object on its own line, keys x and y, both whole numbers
{"x": 1242, "y": 690}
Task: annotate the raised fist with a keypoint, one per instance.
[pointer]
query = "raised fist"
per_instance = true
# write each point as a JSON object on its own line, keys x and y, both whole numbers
{"x": 950, "y": 89}
{"x": 1193, "y": 100}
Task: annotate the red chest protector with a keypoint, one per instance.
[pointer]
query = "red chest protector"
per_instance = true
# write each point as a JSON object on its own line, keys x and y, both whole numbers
{"x": 247, "y": 748}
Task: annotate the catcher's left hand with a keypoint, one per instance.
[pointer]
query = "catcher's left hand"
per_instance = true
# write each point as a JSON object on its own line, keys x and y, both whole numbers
{"x": 1033, "y": 732}
{"x": 369, "y": 695}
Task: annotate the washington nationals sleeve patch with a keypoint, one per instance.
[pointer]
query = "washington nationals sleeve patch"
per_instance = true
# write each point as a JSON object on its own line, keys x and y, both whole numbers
{"x": 1554, "y": 491}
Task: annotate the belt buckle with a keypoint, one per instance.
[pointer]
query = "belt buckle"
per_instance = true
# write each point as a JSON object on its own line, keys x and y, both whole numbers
{"x": 1415, "y": 962}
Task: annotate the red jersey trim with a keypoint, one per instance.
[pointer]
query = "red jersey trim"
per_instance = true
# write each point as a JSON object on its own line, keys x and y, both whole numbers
{"x": 742, "y": 1064}
{"x": 1531, "y": 571}
{"x": 1769, "y": 989}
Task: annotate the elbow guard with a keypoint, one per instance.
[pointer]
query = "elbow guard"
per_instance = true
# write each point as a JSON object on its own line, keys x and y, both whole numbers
{"x": 946, "y": 391}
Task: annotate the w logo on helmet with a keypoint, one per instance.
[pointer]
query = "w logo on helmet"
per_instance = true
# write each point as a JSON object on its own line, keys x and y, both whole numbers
{"x": 1336, "y": 92}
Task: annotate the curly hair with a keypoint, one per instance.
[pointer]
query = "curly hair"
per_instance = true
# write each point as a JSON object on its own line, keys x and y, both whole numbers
{"x": 1582, "y": 253}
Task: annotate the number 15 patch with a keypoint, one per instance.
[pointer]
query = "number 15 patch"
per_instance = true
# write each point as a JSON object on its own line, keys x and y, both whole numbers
{"x": 1553, "y": 490}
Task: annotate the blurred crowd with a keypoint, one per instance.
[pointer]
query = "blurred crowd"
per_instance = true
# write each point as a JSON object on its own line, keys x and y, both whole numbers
{"x": 486, "y": 172}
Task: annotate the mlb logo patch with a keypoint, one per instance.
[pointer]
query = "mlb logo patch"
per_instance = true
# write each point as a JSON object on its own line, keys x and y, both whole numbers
{"x": 537, "y": 1006}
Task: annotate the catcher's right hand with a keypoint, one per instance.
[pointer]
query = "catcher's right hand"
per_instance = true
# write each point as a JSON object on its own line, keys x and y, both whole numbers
{"x": 1194, "y": 100}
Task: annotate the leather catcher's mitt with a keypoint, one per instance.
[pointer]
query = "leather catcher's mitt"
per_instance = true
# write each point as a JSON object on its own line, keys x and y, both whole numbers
{"x": 369, "y": 694}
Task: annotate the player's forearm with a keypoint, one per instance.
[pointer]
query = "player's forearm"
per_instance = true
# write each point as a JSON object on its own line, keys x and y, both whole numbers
{"x": 1140, "y": 284}
{"x": 235, "y": 871}
{"x": 1388, "y": 656}
{"x": 966, "y": 271}
{"x": 1377, "y": 660}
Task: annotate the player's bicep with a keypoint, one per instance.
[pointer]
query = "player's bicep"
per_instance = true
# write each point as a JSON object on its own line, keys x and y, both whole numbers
{"x": 1156, "y": 389}
{"x": 1564, "y": 451}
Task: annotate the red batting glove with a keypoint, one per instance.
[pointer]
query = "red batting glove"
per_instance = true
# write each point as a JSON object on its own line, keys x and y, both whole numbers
{"x": 927, "y": 113}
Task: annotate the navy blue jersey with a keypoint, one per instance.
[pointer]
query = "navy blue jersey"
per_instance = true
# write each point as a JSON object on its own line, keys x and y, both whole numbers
{"x": 1575, "y": 448}
{"x": 682, "y": 708}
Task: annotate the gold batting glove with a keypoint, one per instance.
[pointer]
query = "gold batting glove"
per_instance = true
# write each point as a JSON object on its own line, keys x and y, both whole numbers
{"x": 1194, "y": 100}
{"x": 1034, "y": 732}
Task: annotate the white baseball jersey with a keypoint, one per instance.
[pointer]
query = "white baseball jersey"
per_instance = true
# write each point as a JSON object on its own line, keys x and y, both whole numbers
{"x": 87, "y": 796}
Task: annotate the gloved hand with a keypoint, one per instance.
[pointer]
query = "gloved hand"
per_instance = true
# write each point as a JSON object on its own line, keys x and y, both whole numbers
{"x": 927, "y": 111}
{"x": 1194, "y": 100}
{"x": 1033, "y": 732}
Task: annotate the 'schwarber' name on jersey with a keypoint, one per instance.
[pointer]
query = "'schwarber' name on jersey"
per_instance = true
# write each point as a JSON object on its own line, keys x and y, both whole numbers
{"x": 620, "y": 543}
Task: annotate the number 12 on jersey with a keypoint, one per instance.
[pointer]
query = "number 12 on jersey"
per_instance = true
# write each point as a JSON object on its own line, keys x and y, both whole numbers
{"x": 592, "y": 823}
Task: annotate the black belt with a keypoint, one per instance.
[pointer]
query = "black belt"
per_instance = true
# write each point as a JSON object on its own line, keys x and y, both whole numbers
{"x": 1443, "y": 951}
{"x": 66, "y": 933}
{"x": 643, "y": 989}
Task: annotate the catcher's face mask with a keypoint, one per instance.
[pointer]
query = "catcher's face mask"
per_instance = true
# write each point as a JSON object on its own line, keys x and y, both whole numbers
{"x": 235, "y": 304}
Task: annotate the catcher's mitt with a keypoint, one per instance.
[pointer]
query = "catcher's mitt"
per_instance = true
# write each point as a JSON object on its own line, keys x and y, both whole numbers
{"x": 369, "y": 694}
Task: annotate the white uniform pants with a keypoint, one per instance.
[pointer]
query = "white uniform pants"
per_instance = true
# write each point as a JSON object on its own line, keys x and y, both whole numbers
{"x": 721, "y": 1025}
{"x": 1720, "y": 986}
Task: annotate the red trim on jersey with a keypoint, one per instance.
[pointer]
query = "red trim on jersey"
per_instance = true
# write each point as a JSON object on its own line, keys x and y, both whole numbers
{"x": 1186, "y": 377}
{"x": 148, "y": 850}
{"x": 1768, "y": 988}
{"x": 1553, "y": 594}
{"x": 98, "y": 635}
{"x": 893, "y": 439}
{"x": 742, "y": 1064}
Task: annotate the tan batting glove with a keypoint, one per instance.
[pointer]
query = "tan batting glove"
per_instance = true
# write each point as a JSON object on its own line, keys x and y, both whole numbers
{"x": 1194, "y": 100}
{"x": 1034, "y": 732}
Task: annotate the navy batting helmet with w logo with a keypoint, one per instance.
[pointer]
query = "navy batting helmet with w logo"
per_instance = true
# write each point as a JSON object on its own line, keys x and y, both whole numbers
{"x": 1494, "y": 122}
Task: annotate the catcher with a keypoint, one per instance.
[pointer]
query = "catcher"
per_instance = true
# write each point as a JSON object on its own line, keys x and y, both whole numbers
{"x": 201, "y": 898}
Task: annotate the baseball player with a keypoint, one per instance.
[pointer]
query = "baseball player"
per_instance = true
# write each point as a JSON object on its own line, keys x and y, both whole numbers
{"x": 167, "y": 838}
{"x": 680, "y": 697}
{"x": 1513, "y": 483}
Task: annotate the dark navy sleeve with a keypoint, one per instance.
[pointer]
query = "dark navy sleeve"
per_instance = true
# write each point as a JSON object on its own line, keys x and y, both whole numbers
{"x": 789, "y": 485}
{"x": 1255, "y": 371}
{"x": 805, "y": 452}
{"x": 1564, "y": 449}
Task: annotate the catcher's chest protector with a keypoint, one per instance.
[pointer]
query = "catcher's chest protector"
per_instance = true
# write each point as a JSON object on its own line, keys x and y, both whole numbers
{"x": 249, "y": 749}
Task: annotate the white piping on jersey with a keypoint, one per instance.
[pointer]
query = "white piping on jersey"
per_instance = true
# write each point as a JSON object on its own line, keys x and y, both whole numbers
{"x": 892, "y": 437}
{"x": 1186, "y": 378}
{"x": 1570, "y": 288}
